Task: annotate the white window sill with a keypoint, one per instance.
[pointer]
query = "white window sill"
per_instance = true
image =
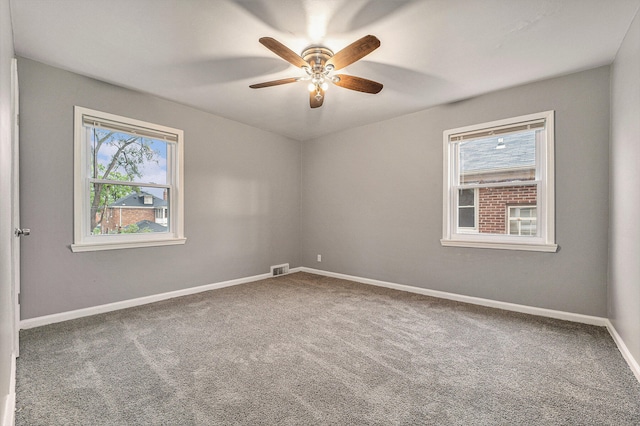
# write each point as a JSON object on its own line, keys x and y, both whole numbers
{"x": 115, "y": 245}
{"x": 549, "y": 248}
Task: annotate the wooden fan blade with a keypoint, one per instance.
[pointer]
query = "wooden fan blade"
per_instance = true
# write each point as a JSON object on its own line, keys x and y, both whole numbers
{"x": 273, "y": 83}
{"x": 315, "y": 102}
{"x": 353, "y": 52}
{"x": 358, "y": 83}
{"x": 283, "y": 51}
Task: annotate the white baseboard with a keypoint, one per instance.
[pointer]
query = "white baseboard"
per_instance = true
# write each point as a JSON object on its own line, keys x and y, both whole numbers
{"x": 550, "y": 313}
{"x": 626, "y": 353}
{"x": 94, "y": 310}
{"x": 8, "y": 418}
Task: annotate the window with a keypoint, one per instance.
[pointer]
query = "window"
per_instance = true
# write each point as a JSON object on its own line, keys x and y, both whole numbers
{"x": 127, "y": 183}
{"x": 467, "y": 210}
{"x": 161, "y": 216}
{"x": 499, "y": 184}
{"x": 522, "y": 220}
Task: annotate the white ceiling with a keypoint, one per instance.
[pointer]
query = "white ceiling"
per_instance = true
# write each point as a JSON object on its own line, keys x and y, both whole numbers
{"x": 205, "y": 53}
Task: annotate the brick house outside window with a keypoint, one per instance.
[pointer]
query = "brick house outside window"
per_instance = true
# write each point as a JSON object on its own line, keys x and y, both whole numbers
{"x": 141, "y": 209}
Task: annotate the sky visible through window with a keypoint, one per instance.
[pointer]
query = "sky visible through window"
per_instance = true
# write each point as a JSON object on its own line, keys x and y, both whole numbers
{"x": 147, "y": 157}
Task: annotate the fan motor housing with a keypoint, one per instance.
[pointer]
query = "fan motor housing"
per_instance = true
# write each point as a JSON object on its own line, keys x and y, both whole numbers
{"x": 316, "y": 57}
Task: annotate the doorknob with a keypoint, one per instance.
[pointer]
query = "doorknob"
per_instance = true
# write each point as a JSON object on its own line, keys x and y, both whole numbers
{"x": 22, "y": 232}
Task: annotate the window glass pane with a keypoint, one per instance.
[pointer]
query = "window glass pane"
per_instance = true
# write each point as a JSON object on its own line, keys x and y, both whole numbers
{"x": 466, "y": 197}
{"x": 466, "y": 217}
{"x": 127, "y": 157}
{"x": 527, "y": 227}
{"x": 514, "y": 229}
{"x": 504, "y": 158}
{"x": 127, "y": 209}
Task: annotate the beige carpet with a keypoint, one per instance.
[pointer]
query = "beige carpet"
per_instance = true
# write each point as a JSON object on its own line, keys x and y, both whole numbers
{"x": 305, "y": 349}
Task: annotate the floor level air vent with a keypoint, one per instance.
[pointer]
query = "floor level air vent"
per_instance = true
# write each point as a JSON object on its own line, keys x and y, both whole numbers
{"x": 279, "y": 269}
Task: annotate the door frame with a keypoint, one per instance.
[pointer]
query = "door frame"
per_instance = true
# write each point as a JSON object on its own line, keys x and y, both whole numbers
{"x": 15, "y": 204}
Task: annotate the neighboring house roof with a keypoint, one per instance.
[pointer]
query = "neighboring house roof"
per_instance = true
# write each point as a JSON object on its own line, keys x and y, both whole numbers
{"x": 481, "y": 155}
{"x": 137, "y": 200}
{"x": 152, "y": 226}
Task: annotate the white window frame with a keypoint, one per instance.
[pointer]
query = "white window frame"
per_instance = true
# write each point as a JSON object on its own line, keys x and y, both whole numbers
{"x": 545, "y": 239}
{"x": 83, "y": 239}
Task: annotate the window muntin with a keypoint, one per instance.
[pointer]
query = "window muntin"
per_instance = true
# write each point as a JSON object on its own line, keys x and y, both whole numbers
{"x": 506, "y": 163}
{"x": 126, "y": 170}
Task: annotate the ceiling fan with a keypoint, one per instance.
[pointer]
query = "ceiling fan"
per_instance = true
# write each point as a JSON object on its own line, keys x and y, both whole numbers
{"x": 318, "y": 62}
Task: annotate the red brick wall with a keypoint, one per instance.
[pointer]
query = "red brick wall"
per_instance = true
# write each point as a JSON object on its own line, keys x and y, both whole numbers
{"x": 492, "y": 205}
{"x": 111, "y": 221}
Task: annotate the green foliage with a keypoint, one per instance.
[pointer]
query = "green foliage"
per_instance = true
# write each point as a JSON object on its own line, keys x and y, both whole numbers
{"x": 109, "y": 193}
{"x": 130, "y": 229}
{"x": 134, "y": 229}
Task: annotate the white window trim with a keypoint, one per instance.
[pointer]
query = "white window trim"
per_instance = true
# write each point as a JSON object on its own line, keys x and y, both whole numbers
{"x": 83, "y": 241}
{"x": 545, "y": 242}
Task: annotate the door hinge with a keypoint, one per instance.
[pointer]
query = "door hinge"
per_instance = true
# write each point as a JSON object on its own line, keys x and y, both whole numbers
{"x": 19, "y": 298}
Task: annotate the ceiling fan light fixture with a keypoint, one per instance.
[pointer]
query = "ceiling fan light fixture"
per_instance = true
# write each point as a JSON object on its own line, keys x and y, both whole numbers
{"x": 318, "y": 62}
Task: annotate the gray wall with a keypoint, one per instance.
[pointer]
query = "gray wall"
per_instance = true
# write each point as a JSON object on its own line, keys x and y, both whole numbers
{"x": 242, "y": 198}
{"x": 624, "y": 255}
{"x": 6, "y": 304}
{"x": 372, "y": 201}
